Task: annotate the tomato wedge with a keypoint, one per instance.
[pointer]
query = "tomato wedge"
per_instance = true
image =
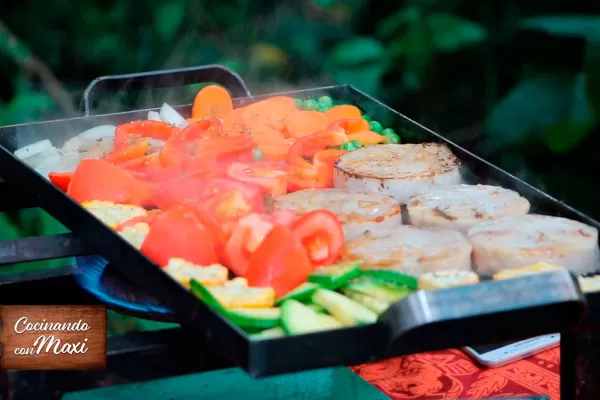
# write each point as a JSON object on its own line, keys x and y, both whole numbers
{"x": 270, "y": 177}
{"x": 280, "y": 262}
{"x": 100, "y": 180}
{"x": 323, "y": 162}
{"x": 249, "y": 192}
{"x": 61, "y": 179}
{"x": 188, "y": 189}
{"x": 321, "y": 234}
{"x": 247, "y": 236}
{"x": 179, "y": 233}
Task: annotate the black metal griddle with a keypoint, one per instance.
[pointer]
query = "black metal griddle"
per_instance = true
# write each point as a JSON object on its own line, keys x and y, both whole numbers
{"x": 486, "y": 313}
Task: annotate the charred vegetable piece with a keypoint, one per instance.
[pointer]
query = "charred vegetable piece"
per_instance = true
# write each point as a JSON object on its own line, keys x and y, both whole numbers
{"x": 296, "y": 318}
{"x": 379, "y": 289}
{"x": 302, "y": 293}
{"x": 335, "y": 276}
{"x": 344, "y": 309}
{"x": 392, "y": 277}
{"x": 254, "y": 318}
{"x": 376, "y": 305}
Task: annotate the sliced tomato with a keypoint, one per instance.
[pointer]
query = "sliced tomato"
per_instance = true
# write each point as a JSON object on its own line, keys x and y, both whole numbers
{"x": 247, "y": 236}
{"x": 146, "y": 219}
{"x": 131, "y": 132}
{"x": 179, "y": 233}
{"x": 149, "y": 169}
{"x": 180, "y": 149}
{"x": 295, "y": 184}
{"x": 220, "y": 237}
{"x": 280, "y": 262}
{"x": 100, "y": 180}
{"x": 283, "y": 217}
{"x": 189, "y": 189}
{"x": 250, "y": 193}
{"x": 226, "y": 149}
{"x": 61, "y": 179}
{"x": 307, "y": 146}
{"x": 321, "y": 234}
{"x": 229, "y": 206}
{"x": 270, "y": 177}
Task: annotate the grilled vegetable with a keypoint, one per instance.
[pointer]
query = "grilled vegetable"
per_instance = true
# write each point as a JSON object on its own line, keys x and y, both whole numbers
{"x": 335, "y": 276}
{"x": 183, "y": 272}
{"x": 236, "y": 294}
{"x": 445, "y": 279}
{"x": 280, "y": 262}
{"x": 321, "y": 234}
{"x": 254, "y": 318}
{"x": 302, "y": 293}
{"x": 539, "y": 268}
{"x": 135, "y": 234}
{"x": 296, "y": 318}
{"x": 378, "y": 289}
{"x": 343, "y": 309}
{"x": 374, "y": 304}
{"x": 394, "y": 277}
{"x": 269, "y": 333}
{"x": 113, "y": 214}
{"x": 179, "y": 233}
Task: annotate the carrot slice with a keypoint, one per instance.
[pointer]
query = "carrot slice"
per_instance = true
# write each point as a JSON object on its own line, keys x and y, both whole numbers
{"x": 212, "y": 102}
{"x": 285, "y": 102}
{"x": 367, "y": 137}
{"x": 343, "y": 112}
{"x": 233, "y": 123}
{"x": 266, "y": 114}
{"x": 303, "y": 123}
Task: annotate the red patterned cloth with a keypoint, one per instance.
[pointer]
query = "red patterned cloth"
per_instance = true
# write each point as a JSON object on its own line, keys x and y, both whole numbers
{"x": 452, "y": 375}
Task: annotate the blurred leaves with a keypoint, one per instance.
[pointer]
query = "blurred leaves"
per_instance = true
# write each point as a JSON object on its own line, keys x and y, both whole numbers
{"x": 582, "y": 26}
{"x": 168, "y": 18}
{"x": 592, "y": 71}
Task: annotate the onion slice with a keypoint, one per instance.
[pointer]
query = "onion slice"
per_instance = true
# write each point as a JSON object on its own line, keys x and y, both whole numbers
{"x": 98, "y": 132}
{"x": 170, "y": 116}
{"x": 33, "y": 149}
{"x": 154, "y": 116}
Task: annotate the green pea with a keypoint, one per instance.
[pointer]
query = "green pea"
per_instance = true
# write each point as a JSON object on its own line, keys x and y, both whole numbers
{"x": 257, "y": 154}
{"x": 367, "y": 118}
{"x": 391, "y": 138}
{"x": 299, "y": 103}
{"x": 325, "y": 103}
{"x": 357, "y": 144}
{"x": 389, "y": 131}
{"x": 311, "y": 104}
{"x": 349, "y": 146}
{"x": 376, "y": 126}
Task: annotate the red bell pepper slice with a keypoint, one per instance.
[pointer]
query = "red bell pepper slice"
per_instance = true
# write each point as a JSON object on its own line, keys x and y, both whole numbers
{"x": 100, "y": 180}
{"x": 310, "y": 145}
{"x": 180, "y": 149}
{"x": 61, "y": 179}
{"x": 323, "y": 162}
{"x": 321, "y": 233}
{"x": 280, "y": 262}
{"x": 129, "y": 151}
{"x": 149, "y": 219}
{"x": 133, "y": 131}
{"x": 225, "y": 150}
{"x": 349, "y": 125}
{"x": 270, "y": 177}
{"x": 149, "y": 169}
{"x": 179, "y": 233}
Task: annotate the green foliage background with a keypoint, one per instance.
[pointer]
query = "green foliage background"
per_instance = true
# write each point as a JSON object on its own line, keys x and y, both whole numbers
{"x": 516, "y": 81}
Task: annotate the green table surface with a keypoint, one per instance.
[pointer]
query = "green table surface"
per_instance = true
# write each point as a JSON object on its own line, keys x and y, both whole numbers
{"x": 234, "y": 383}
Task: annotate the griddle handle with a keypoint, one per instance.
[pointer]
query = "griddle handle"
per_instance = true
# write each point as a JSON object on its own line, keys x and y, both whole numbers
{"x": 165, "y": 79}
{"x": 486, "y": 313}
